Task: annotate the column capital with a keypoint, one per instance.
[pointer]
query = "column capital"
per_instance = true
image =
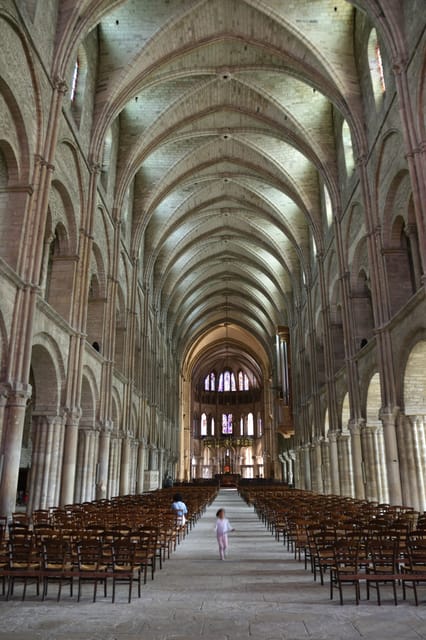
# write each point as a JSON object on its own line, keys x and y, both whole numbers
{"x": 73, "y": 415}
{"x": 18, "y": 393}
{"x": 355, "y": 425}
{"x": 389, "y": 414}
{"x": 399, "y": 65}
{"x": 60, "y": 85}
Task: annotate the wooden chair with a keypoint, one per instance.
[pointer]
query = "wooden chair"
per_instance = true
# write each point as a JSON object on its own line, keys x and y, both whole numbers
{"x": 384, "y": 557}
{"x": 92, "y": 565}
{"x": 57, "y": 565}
{"x": 155, "y": 536}
{"x": 40, "y": 517}
{"x": 146, "y": 549}
{"x": 23, "y": 564}
{"x": 413, "y": 571}
{"x": 345, "y": 569}
{"x": 124, "y": 566}
{"x": 325, "y": 540}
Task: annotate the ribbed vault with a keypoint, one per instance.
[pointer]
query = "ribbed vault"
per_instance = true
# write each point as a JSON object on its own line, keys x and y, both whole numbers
{"x": 224, "y": 110}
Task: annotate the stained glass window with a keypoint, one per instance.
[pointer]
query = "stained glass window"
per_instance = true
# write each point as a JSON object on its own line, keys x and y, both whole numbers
{"x": 203, "y": 424}
{"x": 74, "y": 81}
{"x": 227, "y": 423}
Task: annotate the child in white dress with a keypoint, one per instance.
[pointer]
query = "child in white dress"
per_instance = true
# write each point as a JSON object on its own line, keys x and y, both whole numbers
{"x": 222, "y": 528}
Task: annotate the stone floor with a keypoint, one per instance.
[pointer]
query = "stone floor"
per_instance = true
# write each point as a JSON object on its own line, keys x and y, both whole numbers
{"x": 259, "y": 593}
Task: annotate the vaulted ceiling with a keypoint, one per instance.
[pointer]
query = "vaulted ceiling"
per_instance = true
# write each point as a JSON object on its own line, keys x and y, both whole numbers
{"x": 225, "y": 117}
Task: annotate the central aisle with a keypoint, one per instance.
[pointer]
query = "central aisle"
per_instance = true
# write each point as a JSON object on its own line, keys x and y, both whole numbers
{"x": 259, "y": 593}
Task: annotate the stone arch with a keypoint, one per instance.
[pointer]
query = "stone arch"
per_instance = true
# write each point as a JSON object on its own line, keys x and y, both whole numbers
{"x": 9, "y": 170}
{"x": 89, "y": 398}
{"x": 415, "y": 380}
{"x": 4, "y": 348}
{"x": 355, "y": 231}
{"x": 59, "y": 277}
{"x": 345, "y": 412}
{"x": 374, "y": 399}
{"x": 137, "y": 355}
{"x": 336, "y": 326}
{"x": 116, "y": 410}
{"x": 344, "y": 449}
{"x": 43, "y": 434}
{"x": 48, "y": 374}
{"x": 10, "y": 226}
{"x": 400, "y": 242}
{"x": 422, "y": 102}
{"x": 362, "y": 303}
{"x": 376, "y": 484}
{"x": 115, "y": 444}
{"x": 348, "y": 148}
{"x": 413, "y": 425}
{"x": 120, "y": 328}
{"x": 376, "y": 68}
{"x": 319, "y": 344}
{"x": 96, "y": 302}
{"x": 22, "y": 100}
{"x": 88, "y": 440}
{"x": 78, "y": 76}
{"x": 106, "y": 158}
{"x": 59, "y": 262}
{"x": 325, "y": 454}
{"x": 63, "y": 210}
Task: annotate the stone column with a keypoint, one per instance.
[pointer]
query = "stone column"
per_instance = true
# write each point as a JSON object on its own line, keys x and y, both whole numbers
{"x": 409, "y": 484}
{"x": 86, "y": 469}
{"x": 297, "y": 469}
{"x": 382, "y": 481}
{"x": 287, "y": 467}
{"x": 420, "y": 458}
{"x": 39, "y": 446}
{"x": 355, "y": 428}
{"x": 326, "y": 476}
{"x": 133, "y": 467}
{"x": 140, "y": 467}
{"x": 14, "y": 417}
{"x": 199, "y": 465}
{"x": 125, "y": 465}
{"x": 103, "y": 462}
{"x": 4, "y": 393}
{"x": 316, "y": 472}
{"x": 153, "y": 459}
{"x": 48, "y": 438}
{"x": 292, "y": 459}
{"x": 117, "y": 468}
{"x": 345, "y": 466}
{"x": 368, "y": 438}
{"x": 414, "y": 149}
{"x": 334, "y": 463}
{"x": 114, "y": 467}
{"x": 69, "y": 458}
{"x": 161, "y": 466}
{"x": 389, "y": 419}
{"x": 307, "y": 466}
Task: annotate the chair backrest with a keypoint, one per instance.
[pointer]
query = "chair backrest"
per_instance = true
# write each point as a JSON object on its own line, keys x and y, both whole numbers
{"x": 90, "y": 554}
{"x": 123, "y": 553}
{"x": 56, "y": 553}
{"x": 416, "y": 550}
{"x": 23, "y": 554}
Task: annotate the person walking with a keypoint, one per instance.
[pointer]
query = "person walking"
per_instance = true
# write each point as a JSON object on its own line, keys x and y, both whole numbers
{"x": 222, "y": 528}
{"x": 180, "y": 508}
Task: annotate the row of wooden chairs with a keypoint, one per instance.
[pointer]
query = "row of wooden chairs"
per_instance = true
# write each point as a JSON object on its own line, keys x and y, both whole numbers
{"x": 60, "y": 561}
{"x": 351, "y": 540}
{"x": 116, "y": 541}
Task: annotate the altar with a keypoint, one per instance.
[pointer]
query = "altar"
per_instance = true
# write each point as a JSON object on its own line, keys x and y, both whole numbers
{"x": 228, "y": 479}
